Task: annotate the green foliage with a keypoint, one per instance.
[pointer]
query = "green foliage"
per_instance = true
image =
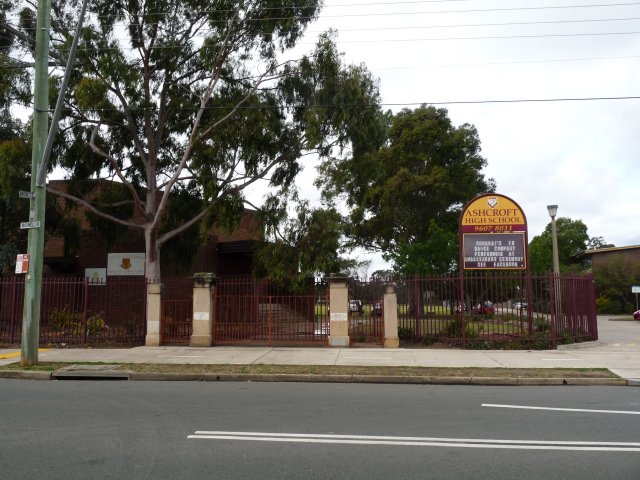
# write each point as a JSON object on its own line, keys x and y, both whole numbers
{"x": 406, "y": 333}
{"x": 405, "y": 197}
{"x": 454, "y": 329}
{"x": 96, "y": 323}
{"x": 539, "y": 341}
{"x": 605, "y": 305}
{"x": 435, "y": 256}
{"x": 305, "y": 246}
{"x": 613, "y": 282}
{"x": 65, "y": 321}
{"x": 542, "y": 324}
{"x": 572, "y": 239}
{"x": 199, "y": 99}
{"x": 8, "y": 252}
{"x": 429, "y": 340}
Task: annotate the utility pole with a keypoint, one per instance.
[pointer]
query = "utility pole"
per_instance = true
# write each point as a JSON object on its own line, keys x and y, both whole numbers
{"x": 35, "y": 249}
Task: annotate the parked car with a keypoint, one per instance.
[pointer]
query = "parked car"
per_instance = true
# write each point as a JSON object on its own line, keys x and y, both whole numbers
{"x": 355, "y": 307}
{"x": 636, "y": 315}
{"x": 519, "y": 306}
{"x": 376, "y": 309}
{"x": 461, "y": 307}
{"x": 485, "y": 308}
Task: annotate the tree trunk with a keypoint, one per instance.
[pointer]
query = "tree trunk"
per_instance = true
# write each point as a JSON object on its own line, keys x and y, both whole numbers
{"x": 152, "y": 255}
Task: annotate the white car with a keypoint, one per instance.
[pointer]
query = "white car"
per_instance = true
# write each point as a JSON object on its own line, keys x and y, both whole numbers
{"x": 355, "y": 306}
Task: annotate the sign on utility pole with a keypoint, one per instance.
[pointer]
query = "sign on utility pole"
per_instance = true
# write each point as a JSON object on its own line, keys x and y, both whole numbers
{"x": 636, "y": 289}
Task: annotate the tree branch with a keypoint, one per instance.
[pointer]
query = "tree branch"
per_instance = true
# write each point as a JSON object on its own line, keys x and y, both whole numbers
{"x": 116, "y": 168}
{"x": 178, "y": 230}
{"x": 93, "y": 209}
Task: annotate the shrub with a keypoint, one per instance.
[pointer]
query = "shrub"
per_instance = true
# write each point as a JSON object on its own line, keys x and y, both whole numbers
{"x": 541, "y": 341}
{"x": 95, "y": 323}
{"x": 64, "y": 320}
{"x": 406, "y": 333}
{"x": 608, "y": 306}
{"x": 429, "y": 340}
{"x": 454, "y": 329}
{"x": 542, "y": 324}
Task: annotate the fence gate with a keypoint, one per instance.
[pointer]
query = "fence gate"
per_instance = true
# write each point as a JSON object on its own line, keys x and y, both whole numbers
{"x": 176, "y": 324}
{"x": 249, "y": 311}
{"x": 366, "y": 313}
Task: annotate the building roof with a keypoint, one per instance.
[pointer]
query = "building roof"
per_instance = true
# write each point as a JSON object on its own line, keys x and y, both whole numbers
{"x": 609, "y": 249}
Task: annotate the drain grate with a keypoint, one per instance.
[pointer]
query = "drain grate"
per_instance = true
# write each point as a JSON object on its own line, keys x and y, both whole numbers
{"x": 91, "y": 372}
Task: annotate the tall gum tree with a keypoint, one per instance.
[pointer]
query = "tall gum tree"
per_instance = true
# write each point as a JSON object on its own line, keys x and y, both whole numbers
{"x": 199, "y": 100}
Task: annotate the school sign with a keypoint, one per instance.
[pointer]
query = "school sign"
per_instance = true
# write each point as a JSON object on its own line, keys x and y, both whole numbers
{"x": 493, "y": 230}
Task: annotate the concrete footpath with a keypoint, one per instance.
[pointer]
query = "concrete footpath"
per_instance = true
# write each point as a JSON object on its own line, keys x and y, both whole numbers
{"x": 617, "y": 350}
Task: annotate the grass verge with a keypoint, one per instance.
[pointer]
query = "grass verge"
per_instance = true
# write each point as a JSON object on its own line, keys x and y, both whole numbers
{"x": 337, "y": 370}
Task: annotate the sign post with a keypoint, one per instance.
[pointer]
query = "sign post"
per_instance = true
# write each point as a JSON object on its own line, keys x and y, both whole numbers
{"x": 493, "y": 232}
{"x": 636, "y": 289}
{"x": 493, "y": 236}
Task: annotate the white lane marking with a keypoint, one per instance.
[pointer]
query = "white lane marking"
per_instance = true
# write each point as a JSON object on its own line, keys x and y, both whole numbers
{"x": 418, "y": 441}
{"x": 527, "y": 407}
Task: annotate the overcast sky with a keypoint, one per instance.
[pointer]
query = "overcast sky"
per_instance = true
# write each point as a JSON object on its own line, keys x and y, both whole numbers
{"x": 581, "y": 155}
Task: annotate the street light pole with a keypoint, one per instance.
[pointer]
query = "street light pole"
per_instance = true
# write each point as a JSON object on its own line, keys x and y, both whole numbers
{"x": 553, "y": 211}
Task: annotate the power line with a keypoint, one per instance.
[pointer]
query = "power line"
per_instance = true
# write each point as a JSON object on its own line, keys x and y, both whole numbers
{"x": 475, "y": 10}
{"x": 205, "y": 31}
{"x": 515, "y": 62}
{"x": 502, "y": 24}
{"x": 429, "y": 12}
{"x": 490, "y": 37}
{"x": 17, "y": 64}
{"x": 441, "y": 39}
{"x": 430, "y": 39}
{"x": 383, "y": 104}
{"x": 521, "y": 100}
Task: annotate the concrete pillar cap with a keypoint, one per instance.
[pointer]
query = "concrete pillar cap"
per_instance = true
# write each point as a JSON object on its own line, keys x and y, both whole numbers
{"x": 338, "y": 277}
{"x": 204, "y": 278}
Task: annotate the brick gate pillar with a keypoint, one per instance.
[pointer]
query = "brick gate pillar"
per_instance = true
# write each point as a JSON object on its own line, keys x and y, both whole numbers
{"x": 338, "y": 311}
{"x": 154, "y": 314}
{"x": 203, "y": 285}
{"x": 390, "y": 309}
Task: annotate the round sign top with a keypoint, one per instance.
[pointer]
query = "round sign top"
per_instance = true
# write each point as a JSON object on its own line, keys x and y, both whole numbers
{"x": 492, "y": 213}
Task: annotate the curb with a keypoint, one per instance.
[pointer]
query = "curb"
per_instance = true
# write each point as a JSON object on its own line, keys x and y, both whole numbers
{"x": 578, "y": 346}
{"x": 25, "y": 375}
{"x": 311, "y": 378}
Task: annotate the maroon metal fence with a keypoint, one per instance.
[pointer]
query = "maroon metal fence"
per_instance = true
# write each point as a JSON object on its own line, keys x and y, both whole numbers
{"x": 474, "y": 310}
{"x": 366, "y": 312}
{"x": 252, "y": 311}
{"x": 76, "y": 311}
{"x": 496, "y": 310}
{"x": 176, "y": 325}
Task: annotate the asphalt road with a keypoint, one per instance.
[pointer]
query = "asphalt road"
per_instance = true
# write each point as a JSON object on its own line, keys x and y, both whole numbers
{"x": 147, "y": 430}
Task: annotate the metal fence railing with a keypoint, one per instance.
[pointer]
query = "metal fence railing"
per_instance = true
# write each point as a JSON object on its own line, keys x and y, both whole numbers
{"x": 176, "y": 325}
{"x": 77, "y": 311}
{"x": 496, "y": 310}
{"x": 252, "y": 311}
{"x": 474, "y": 310}
{"x": 366, "y": 312}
